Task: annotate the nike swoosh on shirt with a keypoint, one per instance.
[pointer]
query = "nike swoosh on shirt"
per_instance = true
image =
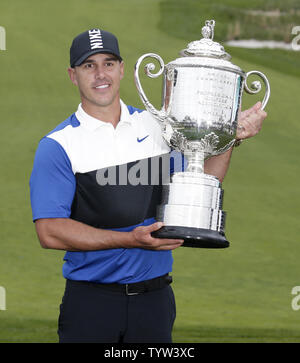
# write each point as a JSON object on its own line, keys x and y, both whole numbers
{"x": 140, "y": 140}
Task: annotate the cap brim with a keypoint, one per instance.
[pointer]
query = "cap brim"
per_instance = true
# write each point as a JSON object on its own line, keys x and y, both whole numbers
{"x": 86, "y": 55}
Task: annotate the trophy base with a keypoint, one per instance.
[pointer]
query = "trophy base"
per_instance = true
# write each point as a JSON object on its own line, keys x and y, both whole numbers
{"x": 193, "y": 237}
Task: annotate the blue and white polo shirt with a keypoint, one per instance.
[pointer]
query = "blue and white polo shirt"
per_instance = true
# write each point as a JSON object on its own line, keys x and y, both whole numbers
{"x": 72, "y": 164}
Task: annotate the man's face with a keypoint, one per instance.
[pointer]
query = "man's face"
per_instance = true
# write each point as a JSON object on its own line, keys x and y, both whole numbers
{"x": 98, "y": 79}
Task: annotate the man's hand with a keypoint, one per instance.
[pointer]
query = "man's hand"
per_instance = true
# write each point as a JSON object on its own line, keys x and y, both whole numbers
{"x": 250, "y": 122}
{"x": 70, "y": 235}
{"x": 143, "y": 239}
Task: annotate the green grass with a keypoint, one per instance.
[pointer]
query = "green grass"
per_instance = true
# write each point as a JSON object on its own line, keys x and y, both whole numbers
{"x": 284, "y": 61}
{"x": 241, "y": 294}
{"x": 233, "y": 17}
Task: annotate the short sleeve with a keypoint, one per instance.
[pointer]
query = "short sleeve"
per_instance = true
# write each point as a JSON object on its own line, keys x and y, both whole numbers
{"x": 52, "y": 181}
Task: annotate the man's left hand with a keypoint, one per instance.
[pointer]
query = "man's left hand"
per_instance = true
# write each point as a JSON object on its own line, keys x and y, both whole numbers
{"x": 250, "y": 122}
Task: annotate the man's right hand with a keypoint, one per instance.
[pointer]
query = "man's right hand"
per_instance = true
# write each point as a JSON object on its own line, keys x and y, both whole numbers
{"x": 142, "y": 238}
{"x": 70, "y": 235}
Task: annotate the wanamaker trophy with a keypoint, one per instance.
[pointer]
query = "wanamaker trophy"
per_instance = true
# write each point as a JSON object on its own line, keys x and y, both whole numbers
{"x": 202, "y": 93}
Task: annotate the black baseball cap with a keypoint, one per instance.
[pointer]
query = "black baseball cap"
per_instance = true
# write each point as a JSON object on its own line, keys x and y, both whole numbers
{"x": 91, "y": 42}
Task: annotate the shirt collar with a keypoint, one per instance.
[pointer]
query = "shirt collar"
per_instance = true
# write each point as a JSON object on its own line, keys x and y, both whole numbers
{"x": 93, "y": 123}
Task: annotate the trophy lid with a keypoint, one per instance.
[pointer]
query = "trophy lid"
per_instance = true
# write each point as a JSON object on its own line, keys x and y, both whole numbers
{"x": 206, "y": 47}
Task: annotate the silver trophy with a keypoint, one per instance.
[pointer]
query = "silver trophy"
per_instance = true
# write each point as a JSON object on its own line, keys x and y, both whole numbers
{"x": 200, "y": 106}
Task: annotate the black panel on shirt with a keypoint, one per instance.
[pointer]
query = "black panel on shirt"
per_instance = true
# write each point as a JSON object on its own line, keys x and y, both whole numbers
{"x": 117, "y": 206}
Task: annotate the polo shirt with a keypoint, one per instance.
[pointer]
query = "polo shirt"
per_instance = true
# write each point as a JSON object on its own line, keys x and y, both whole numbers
{"x": 106, "y": 177}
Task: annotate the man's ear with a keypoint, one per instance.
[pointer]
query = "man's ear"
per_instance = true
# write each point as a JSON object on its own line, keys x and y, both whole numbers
{"x": 72, "y": 75}
{"x": 122, "y": 69}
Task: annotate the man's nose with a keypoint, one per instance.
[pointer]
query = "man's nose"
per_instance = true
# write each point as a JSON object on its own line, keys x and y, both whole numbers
{"x": 100, "y": 72}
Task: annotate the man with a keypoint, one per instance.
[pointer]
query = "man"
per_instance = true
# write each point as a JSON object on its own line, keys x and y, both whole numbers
{"x": 117, "y": 274}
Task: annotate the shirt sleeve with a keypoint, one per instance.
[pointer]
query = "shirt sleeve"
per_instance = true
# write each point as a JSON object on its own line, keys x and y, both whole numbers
{"x": 52, "y": 182}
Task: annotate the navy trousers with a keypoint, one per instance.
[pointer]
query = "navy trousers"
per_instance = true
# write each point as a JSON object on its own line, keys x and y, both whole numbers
{"x": 91, "y": 313}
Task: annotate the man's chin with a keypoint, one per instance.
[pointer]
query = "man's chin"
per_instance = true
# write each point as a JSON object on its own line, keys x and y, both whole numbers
{"x": 103, "y": 102}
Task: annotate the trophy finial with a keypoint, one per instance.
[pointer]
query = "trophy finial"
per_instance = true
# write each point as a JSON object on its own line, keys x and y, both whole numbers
{"x": 208, "y": 29}
{"x": 206, "y": 47}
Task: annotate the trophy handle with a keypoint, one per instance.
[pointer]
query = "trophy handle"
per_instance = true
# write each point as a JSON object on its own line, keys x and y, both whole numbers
{"x": 256, "y": 86}
{"x": 160, "y": 115}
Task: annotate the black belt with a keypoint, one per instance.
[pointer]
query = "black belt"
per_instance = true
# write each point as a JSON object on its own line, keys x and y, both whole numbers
{"x": 131, "y": 289}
